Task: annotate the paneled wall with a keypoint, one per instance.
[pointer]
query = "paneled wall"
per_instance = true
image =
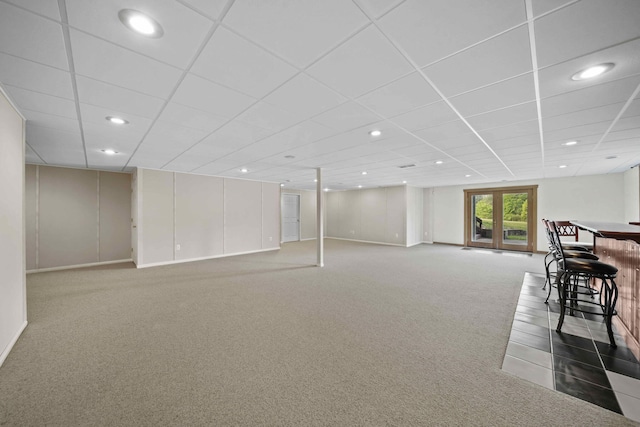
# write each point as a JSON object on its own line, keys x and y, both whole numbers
{"x": 183, "y": 217}
{"x": 76, "y": 217}
{"x": 371, "y": 215}
{"x": 13, "y": 309}
{"x": 415, "y": 215}
{"x": 632, "y": 195}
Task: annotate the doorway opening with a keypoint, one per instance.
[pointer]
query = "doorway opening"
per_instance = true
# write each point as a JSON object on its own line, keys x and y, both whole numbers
{"x": 290, "y": 218}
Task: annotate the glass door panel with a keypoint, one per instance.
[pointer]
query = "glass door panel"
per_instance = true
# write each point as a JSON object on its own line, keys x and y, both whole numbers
{"x": 482, "y": 219}
{"x": 515, "y": 213}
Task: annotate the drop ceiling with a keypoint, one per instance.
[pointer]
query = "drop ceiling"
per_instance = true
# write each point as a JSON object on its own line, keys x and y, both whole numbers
{"x": 282, "y": 87}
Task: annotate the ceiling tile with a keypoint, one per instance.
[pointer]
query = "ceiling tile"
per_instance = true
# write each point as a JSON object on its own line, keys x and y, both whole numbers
{"x": 497, "y": 118}
{"x": 545, "y": 6}
{"x": 43, "y": 120}
{"x": 445, "y": 131}
{"x": 582, "y": 117}
{"x": 30, "y": 156}
{"x": 429, "y": 31}
{"x": 184, "y": 29}
{"x": 585, "y": 27}
{"x": 401, "y": 96}
{"x": 210, "y": 8}
{"x": 510, "y": 131}
{"x": 234, "y": 135}
{"x": 297, "y": 136}
{"x": 499, "y": 58}
{"x": 347, "y": 116}
{"x": 56, "y": 146}
{"x": 514, "y": 91}
{"x": 589, "y": 97}
{"x": 94, "y": 119}
{"x": 43, "y": 103}
{"x": 363, "y": 63}
{"x": 191, "y": 118}
{"x": 579, "y": 132}
{"x": 425, "y": 117}
{"x": 557, "y": 78}
{"x": 204, "y": 95}
{"x": 269, "y": 117}
{"x": 36, "y": 77}
{"x": 109, "y": 63}
{"x": 48, "y": 8}
{"x": 379, "y": 7}
{"x": 305, "y": 96}
{"x": 100, "y": 94}
{"x": 234, "y": 62}
{"x": 31, "y": 37}
{"x": 297, "y": 31}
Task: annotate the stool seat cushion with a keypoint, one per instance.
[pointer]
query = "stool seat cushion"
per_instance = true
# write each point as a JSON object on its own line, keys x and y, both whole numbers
{"x": 577, "y": 247}
{"x": 588, "y": 266}
{"x": 580, "y": 254}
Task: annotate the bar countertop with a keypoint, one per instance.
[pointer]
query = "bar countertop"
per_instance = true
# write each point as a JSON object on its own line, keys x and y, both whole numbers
{"x": 612, "y": 230}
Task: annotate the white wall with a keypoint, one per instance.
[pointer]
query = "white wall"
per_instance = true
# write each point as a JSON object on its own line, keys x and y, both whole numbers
{"x": 371, "y": 215}
{"x": 427, "y": 213}
{"x": 205, "y": 216}
{"x": 13, "y": 308}
{"x": 415, "y": 215}
{"x": 632, "y": 195}
{"x": 587, "y": 198}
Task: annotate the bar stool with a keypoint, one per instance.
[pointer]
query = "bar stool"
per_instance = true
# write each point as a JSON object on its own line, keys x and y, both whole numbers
{"x": 569, "y": 292}
{"x": 571, "y": 251}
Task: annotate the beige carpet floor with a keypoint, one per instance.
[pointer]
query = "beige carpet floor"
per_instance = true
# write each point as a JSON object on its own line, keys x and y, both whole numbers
{"x": 380, "y": 336}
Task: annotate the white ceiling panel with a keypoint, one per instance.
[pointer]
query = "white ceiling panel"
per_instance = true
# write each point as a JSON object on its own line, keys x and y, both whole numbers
{"x": 347, "y": 116}
{"x": 184, "y": 29}
{"x": 207, "y": 96}
{"x": 425, "y": 117}
{"x": 545, "y": 6}
{"x": 585, "y": 27}
{"x": 497, "y": 59}
{"x": 51, "y": 121}
{"x": 557, "y": 78}
{"x": 590, "y": 97}
{"x": 445, "y": 131}
{"x": 514, "y": 130}
{"x": 298, "y": 31}
{"x": 401, "y": 96}
{"x": 94, "y": 119}
{"x": 423, "y": 28}
{"x": 123, "y": 144}
{"x": 234, "y": 62}
{"x": 191, "y": 118}
{"x": 294, "y": 137}
{"x": 43, "y": 103}
{"x": 497, "y": 118}
{"x": 48, "y": 8}
{"x": 376, "y": 8}
{"x": 43, "y": 43}
{"x": 210, "y": 8}
{"x": 510, "y": 92}
{"x": 304, "y": 95}
{"x": 235, "y": 135}
{"x": 579, "y": 132}
{"x": 36, "y": 77}
{"x": 100, "y": 94}
{"x": 101, "y": 60}
{"x": 31, "y": 156}
{"x": 363, "y": 63}
{"x": 56, "y": 146}
{"x": 269, "y": 117}
{"x": 582, "y": 117}
{"x": 164, "y": 142}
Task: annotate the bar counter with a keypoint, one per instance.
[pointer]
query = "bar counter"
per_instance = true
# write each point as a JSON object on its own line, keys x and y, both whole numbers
{"x": 619, "y": 245}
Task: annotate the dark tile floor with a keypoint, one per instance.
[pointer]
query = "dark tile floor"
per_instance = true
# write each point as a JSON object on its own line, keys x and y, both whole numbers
{"x": 578, "y": 361}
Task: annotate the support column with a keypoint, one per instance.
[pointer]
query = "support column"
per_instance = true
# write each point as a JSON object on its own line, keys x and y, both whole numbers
{"x": 319, "y": 218}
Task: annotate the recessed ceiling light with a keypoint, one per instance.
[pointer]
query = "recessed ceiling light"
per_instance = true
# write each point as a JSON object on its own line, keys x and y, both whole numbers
{"x": 359, "y": 186}
{"x": 117, "y": 120}
{"x": 315, "y": 180}
{"x": 364, "y": 172}
{"x": 375, "y": 133}
{"x": 109, "y": 151}
{"x": 570, "y": 143}
{"x": 244, "y": 170}
{"x": 467, "y": 176}
{"x": 592, "y": 72}
{"x": 562, "y": 166}
{"x": 281, "y": 185}
{"x": 326, "y": 189}
{"x": 439, "y": 162}
{"x": 404, "y": 182}
{"x": 611, "y": 157}
{"x": 140, "y": 23}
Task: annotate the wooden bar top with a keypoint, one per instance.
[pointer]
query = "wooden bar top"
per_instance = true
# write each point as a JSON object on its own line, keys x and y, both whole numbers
{"x": 611, "y": 230}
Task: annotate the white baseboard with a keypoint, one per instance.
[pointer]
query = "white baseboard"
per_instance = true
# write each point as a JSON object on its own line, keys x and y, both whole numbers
{"x": 429, "y": 243}
{"x": 415, "y": 244}
{"x": 7, "y": 350}
{"x": 367, "y": 241}
{"x": 310, "y": 238}
{"x": 69, "y": 267}
{"x": 180, "y": 261}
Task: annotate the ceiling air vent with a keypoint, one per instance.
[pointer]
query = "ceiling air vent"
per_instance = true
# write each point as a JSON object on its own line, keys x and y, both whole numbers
{"x": 406, "y": 166}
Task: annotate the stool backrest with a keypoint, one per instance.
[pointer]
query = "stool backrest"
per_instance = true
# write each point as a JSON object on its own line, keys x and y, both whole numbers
{"x": 556, "y": 242}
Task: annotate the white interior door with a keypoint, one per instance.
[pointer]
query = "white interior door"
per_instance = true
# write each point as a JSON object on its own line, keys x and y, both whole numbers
{"x": 290, "y": 217}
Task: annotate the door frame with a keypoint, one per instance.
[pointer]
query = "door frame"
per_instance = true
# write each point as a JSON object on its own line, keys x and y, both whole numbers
{"x": 497, "y": 239}
{"x": 299, "y": 197}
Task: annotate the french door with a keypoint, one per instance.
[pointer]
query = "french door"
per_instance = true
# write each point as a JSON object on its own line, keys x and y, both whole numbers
{"x": 501, "y": 218}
